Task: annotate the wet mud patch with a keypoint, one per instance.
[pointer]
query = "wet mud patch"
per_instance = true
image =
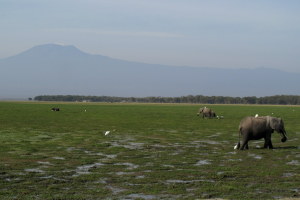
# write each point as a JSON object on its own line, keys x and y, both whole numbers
{"x": 129, "y": 166}
{"x": 85, "y": 169}
{"x": 34, "y": 170}
{"x": 115, "y": 190}
{"x": 189, "y": 181}
{"x": 58, "y": 158}
{"x": 294, "y": 162}
{"x": 127, "y": 145}
{"x": 141, "y": 196}
{"x": 289, "y": 174}
{"x": 252, "y": 155}
{"x": 212, "y": 142}
{"x": 214, "y": 135}
{"x": 203, "y": 162}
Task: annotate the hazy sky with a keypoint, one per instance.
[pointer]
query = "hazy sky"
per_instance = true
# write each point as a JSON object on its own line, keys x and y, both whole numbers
{"x": 204, "y": 33}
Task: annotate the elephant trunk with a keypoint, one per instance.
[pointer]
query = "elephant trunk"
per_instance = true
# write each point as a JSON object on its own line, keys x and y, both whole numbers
{"x": 283, "y": 134}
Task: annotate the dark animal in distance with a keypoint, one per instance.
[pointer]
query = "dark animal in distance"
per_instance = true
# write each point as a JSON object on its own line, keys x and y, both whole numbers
{"x": 54, "y": 109}
{"x": 206, "y": 112}
{"x": 255, "y": 128}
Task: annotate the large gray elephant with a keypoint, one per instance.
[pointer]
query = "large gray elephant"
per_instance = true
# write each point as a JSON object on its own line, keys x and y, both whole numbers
{"x": 255, "y": 128}
{"x": 206, "y": 112}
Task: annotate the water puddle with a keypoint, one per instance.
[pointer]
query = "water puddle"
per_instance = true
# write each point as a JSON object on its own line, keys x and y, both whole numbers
{"x": 288, "y": 174}
{"x": 70, "y": 149}
{"x": 297, "y": 190}
{"x": 124, "y": 173}
{"x": 130, "y": 166}
{"x": 214, "y": 135}
{"x": 178, "y": 181}
{"x": 140, "y": 177}
{"x": 294, "y": 139}
{"x": 108, "y": 156}
{"x": 158, "y": 146}
{"x": 210, "y": 142}
{"x": 294, "y": 162}
{"x": 46, "y": 177}
{"x": 10, "y": 180}
{"x": 141, "y": 196}
{"x": 234, "y": 160}
{"x": 203, "y": 162}
{"x": 169, "y": 166}
{"x": 129, "y": 145}
{"x": 189, "y": 181}
{"x": 58, "y": 158}
{"x": 232, "y": 152}
{"x": 115, "y": 190}
{"x": 34, "y": 170}
{"x": 85, "y": 169}
{"x": 257, "y": 141}
{"x": 134, "y": 145}
{"x": 44, "y": 163}
{"x": 255, "y": 156}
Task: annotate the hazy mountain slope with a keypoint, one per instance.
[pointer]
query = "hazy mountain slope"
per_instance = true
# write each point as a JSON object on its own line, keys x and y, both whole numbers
{"x": 55, "y": 69}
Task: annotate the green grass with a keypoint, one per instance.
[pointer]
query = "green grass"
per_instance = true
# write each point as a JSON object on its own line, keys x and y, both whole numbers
{"x": 154, "y": 151}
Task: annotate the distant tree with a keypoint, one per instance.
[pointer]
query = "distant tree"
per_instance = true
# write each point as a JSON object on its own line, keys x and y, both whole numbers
{"x": 250, "y": 100}
{"x": 200, "y": 99}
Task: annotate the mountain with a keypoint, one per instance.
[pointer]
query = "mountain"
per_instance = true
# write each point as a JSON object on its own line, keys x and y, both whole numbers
{"x": 55, "y": 69}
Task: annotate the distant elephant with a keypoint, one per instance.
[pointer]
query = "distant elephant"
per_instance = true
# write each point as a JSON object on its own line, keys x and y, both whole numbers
{"x": 55, "y": 109}
{"x": 255, "y": 128}
{"x": 206, "y": 112}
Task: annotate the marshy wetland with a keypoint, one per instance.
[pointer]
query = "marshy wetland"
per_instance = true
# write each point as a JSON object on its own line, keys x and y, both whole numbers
{"x": 153, "y": 151}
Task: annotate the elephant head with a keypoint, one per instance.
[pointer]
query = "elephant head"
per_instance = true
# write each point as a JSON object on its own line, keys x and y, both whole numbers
{"x": 200, "y": 111}
{"x": 277, "y": 125}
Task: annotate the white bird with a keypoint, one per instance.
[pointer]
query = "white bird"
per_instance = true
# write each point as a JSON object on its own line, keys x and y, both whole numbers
{"x": 256, "y": 115}
{"x": 236, "y": 146}
{"x": 106, "y": 132}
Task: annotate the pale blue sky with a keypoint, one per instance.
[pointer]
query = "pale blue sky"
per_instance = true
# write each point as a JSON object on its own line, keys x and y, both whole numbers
{"x": 204, "y": 33}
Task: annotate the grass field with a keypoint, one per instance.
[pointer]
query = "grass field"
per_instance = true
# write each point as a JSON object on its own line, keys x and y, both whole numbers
{"x": 154, "y": 151}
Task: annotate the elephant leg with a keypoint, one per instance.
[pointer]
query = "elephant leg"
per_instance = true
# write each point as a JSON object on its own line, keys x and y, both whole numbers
{"x": 244, "y": 144}
{"x": 268, "y": 143}
{"x": 245, "y": 139}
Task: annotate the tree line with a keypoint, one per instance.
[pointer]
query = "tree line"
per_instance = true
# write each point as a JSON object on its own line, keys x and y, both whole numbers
{"x": 197, "y": 99}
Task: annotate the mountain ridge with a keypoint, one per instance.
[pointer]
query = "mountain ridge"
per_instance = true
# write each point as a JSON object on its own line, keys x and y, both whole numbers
{"x": 56, "y": 69}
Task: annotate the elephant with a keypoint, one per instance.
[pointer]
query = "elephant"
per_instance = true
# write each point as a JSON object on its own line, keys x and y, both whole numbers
{"x": 206, "y": 112}
{"x": 54, "y": 109}
{"x": 255, "y": 128}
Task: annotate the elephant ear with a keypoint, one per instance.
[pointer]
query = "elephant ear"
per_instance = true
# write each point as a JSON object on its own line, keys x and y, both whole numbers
{"x": 275, "y": 123}
{"x": 271, "y": 122}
